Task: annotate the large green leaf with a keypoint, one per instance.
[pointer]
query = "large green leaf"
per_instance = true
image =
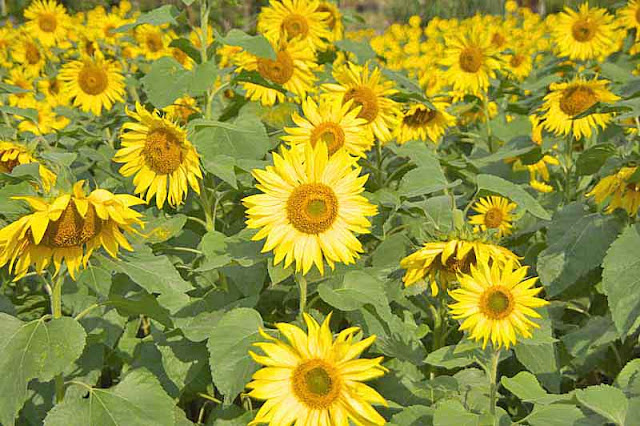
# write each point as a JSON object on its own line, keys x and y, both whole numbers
{"x": 453, "y": 413}
{"x": 354, "y": 291}
{"x": 554, "y": 415}
{"x": 605, "y": 400}
{"x": 162, "y": 15}
{"x": 514, "y": 192}
{"x": 257, "y": 45}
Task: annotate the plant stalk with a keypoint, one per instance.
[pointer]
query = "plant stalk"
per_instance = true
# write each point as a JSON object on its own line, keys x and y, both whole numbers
{"x": 56, "y": 312}
{"x": 302, "y": 285}
{"x": 493, "y": 382}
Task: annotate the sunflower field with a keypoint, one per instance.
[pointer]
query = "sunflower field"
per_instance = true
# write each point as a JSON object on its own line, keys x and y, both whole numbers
{"x": 308, "y": 222}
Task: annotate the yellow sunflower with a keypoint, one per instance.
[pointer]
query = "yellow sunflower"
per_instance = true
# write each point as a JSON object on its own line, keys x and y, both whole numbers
{"x": 369, "y": 91}
{"x": 93, "y": 83}
{"x": 23, "y": 79}
{"x": 310, "y": 207}
{"x": 569, "y": 99}
{"x": 496, "y": 303}
{"x": 68, "y": 228}
{"x": 285, "y": 20}
{"x": 445, "y": 259}
{"x": 493, "y": 213}
{"x": 47, "y": 21}
{"x": 13, "y": 154}
{"x": 422, "y": 123}
{"x": 470, "y": 61}
{"x": 26, "y": 52}
{"x": 53, "y": 92}
{"x": 619, "y": 190}
{"x": 182, "y": 108}
{"x": 334, "y": 123}
{"x": 334, "y": 21}
{"x": 518, "y": 65}
{"x": 630, "y": 16}
{"x": 292, "y": 69}
{"x": 314, "y": 379}
{"x": 106, "y": 25}
{"x": 47, "y": 122}
{"x": 157, "y": 152}
{"x": 153, "y": 41}
{"x": 585, "y": 34}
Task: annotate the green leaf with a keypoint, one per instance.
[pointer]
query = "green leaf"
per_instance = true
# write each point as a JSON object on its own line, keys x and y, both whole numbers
{"x": 356, "y": 289}
{"x": 621, "y": 280}
{"x": 415, "y": 415}
{"x": 229, "y": 344}
{"x": 452, "y": 356}
{"x": 34, "y": 350}
{"x": 165, "y": 82}
{"x": 162, "y": 15}
{"x": 257, "y": 45}
{"x": 362, "y": 49}
{"x": 30, "y": 113}
{"x": 453, "y": 413}
{"x": 10, "y": 207}
{"x": 596, "y": 333}
{"x": 629, "y": 378}
{"x": 138, "y": 400}
{"x": 164, "y": 228}
{"x": 9, "y": 88}
{"x": 605, "y": 400}
{"x": 202, "y": 78}
{"x": 593, "y": 158}
{"x": 554, "y": 415}
{"x": 525, "y": 386}
{"x": 514, "y": 192}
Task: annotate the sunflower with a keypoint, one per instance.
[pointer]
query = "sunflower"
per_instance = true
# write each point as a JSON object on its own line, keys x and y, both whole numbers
{"x": 182, "y": 108}
{"x": 51, "y": 88}
{"x": 93, "y": 83}
{"x": 470, "y": 61}
{"x": 630, "y": 16}
{"x": 28, "y": 53}
{"x": 334, "y": 123}
{"x": 285, "y": 20}
{"x": 496, "y": 303}
{"x": 47, "y": 122}
{"x": 334, "y": 21}
{"x": 420, "y": 122}
{"x": 314, "y": 379}
{"x": 310, "y": 207}
{"x": 157, "y": 152}
{"x": 445, "y": 259}
{"x": 292, "y": 69}
{"x": 47, "y": 21}
{"x": 569, "y": 99}
{"x": 622, "y": 193}
{"x": 585, "y": 34}
{"x": 106, "y": 25}
{"x": 23, "y": 79}
{"x": 154, "y": 41}
{"x": 369, "y": 91}
{"x": 493, "y": 213}
{"x": 13, "y": 154}
{"x": 518, "y": 65}
{"x": 68, "y": 228}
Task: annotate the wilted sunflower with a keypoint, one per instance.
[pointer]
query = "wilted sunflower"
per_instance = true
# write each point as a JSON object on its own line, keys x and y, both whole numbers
{"x": 585, "y": 34}
{"x": 445, "y": 259}
{"x": 369, "y": 91}
{"x": 93, "y": 83}
{"x": 425, "y": 124}
{"x": 68, "y": 228}
{"x": 496, "y": 303}
{"x": 567, "y": 100}
{"x": 630, "y": 16}
{"x": 493, "y": 213}
{"x": 622, "y": 193}
{"x": 292, "y": 69}
{"x": 333, "y": 123}
{"x": 310, "y": 208}
{"x": 312, "y": 379}
{"x": 47, "y": 21}
{"x": 13, "y": 154}
{"x": 157, "y": 152}
{"x": 285, "y": 20}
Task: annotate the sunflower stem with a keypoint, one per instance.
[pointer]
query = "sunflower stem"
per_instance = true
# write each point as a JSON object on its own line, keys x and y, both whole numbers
{"x": 493, "y": 383}
{"x": 302, "y": 285}
{"x": 485, "y": 107}
{"x": 56, "y": 312}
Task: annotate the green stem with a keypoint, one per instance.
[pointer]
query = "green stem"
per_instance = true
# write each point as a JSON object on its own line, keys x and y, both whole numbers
{"x": 379, "y": 161}
{"x": 56, "y": 312}
{"x": 493, "y": 383}
{"x": 206, "y": 206}
{"x": 302, "y": 285}
{"x": 485, "y": 107}
{"x": 568, "y": 166}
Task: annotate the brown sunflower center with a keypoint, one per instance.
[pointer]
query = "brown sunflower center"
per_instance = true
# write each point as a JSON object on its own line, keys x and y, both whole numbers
{"x": 584, "y": 30}
{"x": 329, "y": 133}
{"x": 331, "y": 20}
{"x": 516, "y": 60}
{"x": 154, "y": 42}
{"x": 54, "y": 86}
{"x": 577, "y": 99}
{"x": 47, "y": 22}
{"x": 498, "y": 39}
{"x": 162, "y": 151}
{"x": 108, "y": 30}
{"x": 497, "y": 303}
{"x": 31, "y": 53}
{"x": 279, "y": 71}
{"x": 71, "y": 229}
{"x": 493, "y": 217}
{"x": 295, "y": 25}
{"x": 92, "y": 79}
{"x": 312, "y": 208}
{"x": 316, "y": 384}
{"x": 364, "y": 97}
{"x": 633, "y": 186}
{"x": 8, "y": 166}
{"x": 421, "y": 117}
{"x": 470, "y": 59}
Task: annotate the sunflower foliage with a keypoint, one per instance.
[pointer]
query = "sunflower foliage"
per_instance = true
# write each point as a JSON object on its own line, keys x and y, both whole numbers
{"x": 315, "y": 224}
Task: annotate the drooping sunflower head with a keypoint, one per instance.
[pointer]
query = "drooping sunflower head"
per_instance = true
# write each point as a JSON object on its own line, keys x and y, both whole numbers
{"x": 312, "y": 378}
{"x": 157, "y": 152}
{"x": 421, "y": 122}
{"x": 47, "y": 21}
{"x": 68, "y": 228}
{"x": 13, "y": 154}
{"x": 619, "y": 190}
{"x": 496, "y": 303}
{"x": 310, "y": 208}
{"x": 494, "y": 213}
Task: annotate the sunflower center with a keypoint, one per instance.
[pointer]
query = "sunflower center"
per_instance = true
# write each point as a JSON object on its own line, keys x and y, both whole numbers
{"x": 47, "y": 22}
{"x": 497, "y": 303}
{"x": 154, "y": 42}
{"x": 583, "y": 30}
{"x": 54, "y": 86}
{"x": 364, "y": 97}
{"x": 93, "y": 80}
{"x": 638, "y": 15}
{"x": 331, "y": 20}
{"x": 312, "y": 208}
{"x": 162, "y": 151}
{"x": 108, "y": 30}
{"x": 72, "y": 230}
{"x": 498, "y": 39}
{"x": 329, "y": 133}
{"x": 633, "y": 186}
{"x": 470, "y": 59}
{"x": 575, "y": 100}
{"x": 516, "y": 60}
{"x": 493, "y": 217}
{"x": 31, "y": 53}
{"x": 295, "y": 25}
{"x": 279, "y": 71}
{"x": 421, "y": 117}
{"x": 8, "y": 166}
{"x": 316, "y": 384}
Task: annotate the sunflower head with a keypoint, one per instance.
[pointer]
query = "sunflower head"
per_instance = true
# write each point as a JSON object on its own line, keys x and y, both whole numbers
{"x": 584, "y": 34}
{"x": 421, "y": 122}
{"x": 620, "y": 190}
{"x": 494, "y": 213}
{"x": 13, "y": 154}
